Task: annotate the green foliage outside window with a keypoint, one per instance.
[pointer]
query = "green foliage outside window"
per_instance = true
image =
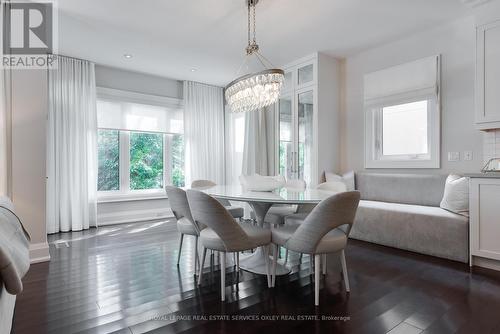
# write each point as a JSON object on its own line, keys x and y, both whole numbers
{"x": 108, "y": 155}
{"x": 146, "y": 160}
{"x": 177, "y": 154}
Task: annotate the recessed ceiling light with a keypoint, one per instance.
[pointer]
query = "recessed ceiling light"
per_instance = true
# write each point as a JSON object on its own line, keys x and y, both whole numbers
{"x": 128, "y": 56}
{"x": 194, "y": 70}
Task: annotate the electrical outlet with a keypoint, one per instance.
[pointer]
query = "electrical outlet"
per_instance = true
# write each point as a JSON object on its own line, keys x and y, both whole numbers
{"x": 453, "y": 156}
{"x": 468, "y": 155}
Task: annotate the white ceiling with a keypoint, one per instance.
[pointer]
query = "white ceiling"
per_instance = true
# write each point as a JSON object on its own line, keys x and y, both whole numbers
{"x": 170, "y": 37}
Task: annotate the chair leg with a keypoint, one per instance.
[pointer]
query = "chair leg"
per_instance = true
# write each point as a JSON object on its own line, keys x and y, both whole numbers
{"x": 344, "y": 271}
{"x": 238, "y": 262}
{"x": 222, "y": 261}
{"x": 300, "y": 258}
{"x": 180, "y": 249}
{"x": 317, "y": 266}
{"x": 324, "y": 264}
{"x": 202, "y": 264}
{"x": 275, "y": 260}
{"x": 196, "y": 257}
{"x": 311, "y": 264}
{"x": 268, "y": 272}
{"x": 286, "y": 256}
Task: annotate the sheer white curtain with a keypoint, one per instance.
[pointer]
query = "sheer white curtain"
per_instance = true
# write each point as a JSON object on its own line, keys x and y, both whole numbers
{"x": 71, "y": 147}
{"x": 259, "y": 153}
{"x": 204, "y": 132}
{"x": 235, "y": 141}
{"x": 4, "y": 132}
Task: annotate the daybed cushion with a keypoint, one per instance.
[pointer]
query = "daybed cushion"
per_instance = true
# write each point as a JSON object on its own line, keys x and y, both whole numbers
{"x": 423, "y": 229}
{"x": 417, "y": 189}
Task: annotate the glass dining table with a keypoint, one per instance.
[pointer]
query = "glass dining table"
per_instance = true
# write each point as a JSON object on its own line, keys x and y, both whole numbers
{"x": 261, "y": 202}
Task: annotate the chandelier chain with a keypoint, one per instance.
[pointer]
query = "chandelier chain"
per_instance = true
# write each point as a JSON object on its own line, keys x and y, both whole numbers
{"x": 249, "y": 24}
{"x": 252, "y": 46}
{"x": 254, "y": 26}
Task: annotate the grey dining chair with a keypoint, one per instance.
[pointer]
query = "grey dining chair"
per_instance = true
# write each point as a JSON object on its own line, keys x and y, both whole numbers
{"x": 185, "y": 222}
{"x": 223, "y": 234}
{"x": 325, "y": 230}
{"x": 277, "y": 213}
{"x": 304, "y": 210}
{"x": 236, "y": 211}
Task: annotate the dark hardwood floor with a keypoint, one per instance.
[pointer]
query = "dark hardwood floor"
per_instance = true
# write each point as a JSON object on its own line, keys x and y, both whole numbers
{"x": 124, "y": 279}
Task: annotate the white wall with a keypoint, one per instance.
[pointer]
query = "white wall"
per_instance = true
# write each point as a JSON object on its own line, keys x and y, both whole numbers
{"x": 29, "y": 115}
{"x": 127, "y": 211}
{"x": 456, "y": 43}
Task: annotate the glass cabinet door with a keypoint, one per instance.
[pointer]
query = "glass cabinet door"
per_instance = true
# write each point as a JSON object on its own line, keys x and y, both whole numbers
{"x": 296, "y": 151}
{"x": 305, "y": 74}
{"x": 305, "y": 136}
{"x": 285, "y": 137}
{"x": 288, "y": 82}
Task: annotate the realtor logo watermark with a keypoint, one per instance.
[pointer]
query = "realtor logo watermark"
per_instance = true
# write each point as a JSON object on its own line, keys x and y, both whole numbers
{"x": 28, "y": 34}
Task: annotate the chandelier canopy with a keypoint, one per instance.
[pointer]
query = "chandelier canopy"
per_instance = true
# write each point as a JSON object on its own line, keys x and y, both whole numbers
{"x": 255, "y": 90}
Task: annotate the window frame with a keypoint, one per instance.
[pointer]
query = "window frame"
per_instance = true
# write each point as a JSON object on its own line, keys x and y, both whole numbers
{"x": 374, "y": 157}
{"x": 125, "y": 193}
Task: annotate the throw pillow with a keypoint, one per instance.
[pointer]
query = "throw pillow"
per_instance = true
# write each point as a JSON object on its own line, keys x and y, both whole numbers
{"x": 346, "y": 178}
{"x": 456, "y": 195}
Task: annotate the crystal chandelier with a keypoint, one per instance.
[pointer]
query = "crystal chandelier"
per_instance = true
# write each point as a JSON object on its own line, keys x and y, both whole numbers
{"x": 255, "y": 90}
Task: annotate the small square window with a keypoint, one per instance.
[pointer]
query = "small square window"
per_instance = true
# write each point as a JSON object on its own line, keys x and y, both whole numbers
{"x": 405, "y": 130}
{"x": 404, "y": 135}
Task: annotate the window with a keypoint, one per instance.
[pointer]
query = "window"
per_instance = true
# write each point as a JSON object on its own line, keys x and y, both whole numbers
{"x": 404, "y": 132}
{"x": 402, "y": 125}
{"x": 146, "y": 160}
{"x": 140, "y": 144}
{"x": 109, "y": 160}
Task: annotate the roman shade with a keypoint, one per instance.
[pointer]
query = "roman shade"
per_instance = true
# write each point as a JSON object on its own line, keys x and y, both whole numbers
{"x": 402, "y": 82}
{"x": 131, "y": 116}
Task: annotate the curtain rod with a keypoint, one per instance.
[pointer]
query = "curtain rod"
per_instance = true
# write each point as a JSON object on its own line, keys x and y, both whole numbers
{"x": 76, "y": 58}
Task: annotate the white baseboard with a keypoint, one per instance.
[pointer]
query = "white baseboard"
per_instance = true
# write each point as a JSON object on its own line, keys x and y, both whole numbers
{"x": 123, "y": 217}
{"x": 486, "y": 263}
{"x": 39, "y": 252}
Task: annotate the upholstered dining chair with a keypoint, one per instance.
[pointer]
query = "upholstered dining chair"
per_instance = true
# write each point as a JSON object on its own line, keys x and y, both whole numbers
{"x": 277, "y": 213}
{"x": 185, "y": 222}
{"x": 223, "y": 234}
{"x": 236, "y": 211}
{"x": 321, "y": 233}
{"x": 304, "y": 210}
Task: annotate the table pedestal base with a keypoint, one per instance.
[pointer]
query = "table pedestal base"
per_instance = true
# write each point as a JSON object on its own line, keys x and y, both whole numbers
{"x": 256, "y": 263}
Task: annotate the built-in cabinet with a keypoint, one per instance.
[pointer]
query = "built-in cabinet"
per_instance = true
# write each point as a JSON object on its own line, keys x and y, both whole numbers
{"x": 307, "y": 119}
{"x": 485, "y": 222}
{"x": 488, "y": 76}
